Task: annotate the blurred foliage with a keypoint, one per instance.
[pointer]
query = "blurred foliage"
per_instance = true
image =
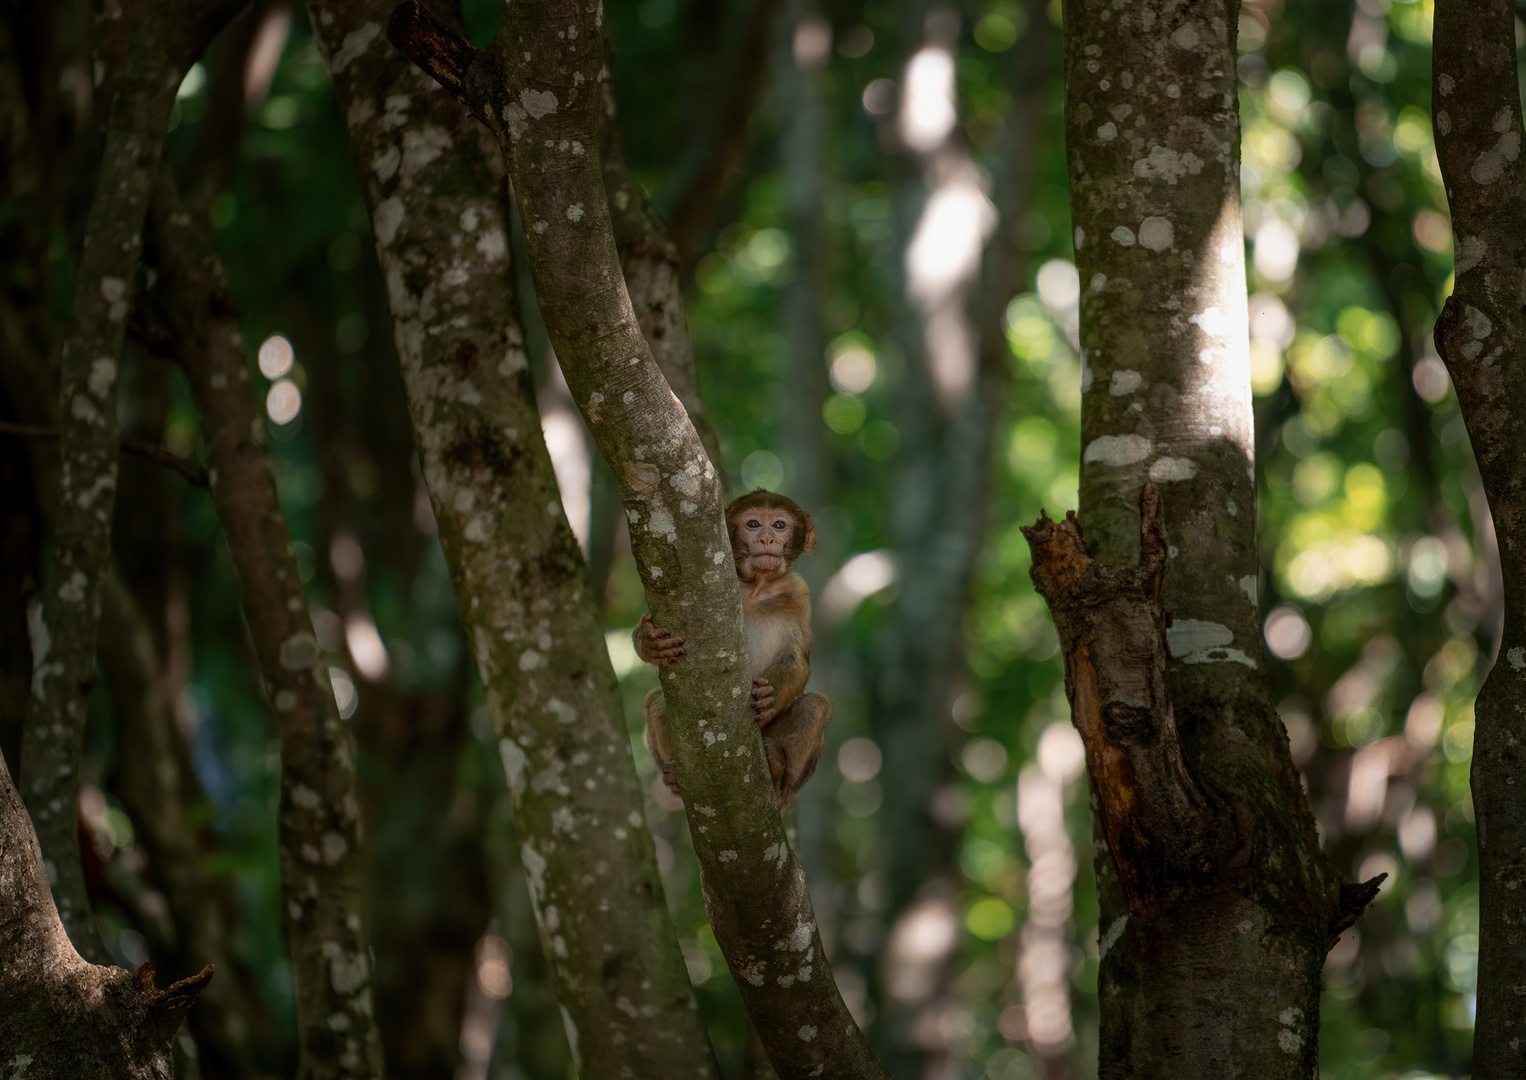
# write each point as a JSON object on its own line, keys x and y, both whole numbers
{"x": 1382, "y": 607}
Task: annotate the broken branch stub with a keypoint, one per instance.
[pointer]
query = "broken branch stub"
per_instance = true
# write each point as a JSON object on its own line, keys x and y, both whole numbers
{"x": 1162, "y": 829}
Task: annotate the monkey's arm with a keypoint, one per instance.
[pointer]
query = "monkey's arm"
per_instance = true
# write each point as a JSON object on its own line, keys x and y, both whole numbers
{"x": 656, "y": 646}
{"x": 781, "y": 685}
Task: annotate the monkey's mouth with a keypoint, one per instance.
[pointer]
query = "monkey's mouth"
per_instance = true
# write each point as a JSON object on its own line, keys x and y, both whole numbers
{"x": 767, "y": 560}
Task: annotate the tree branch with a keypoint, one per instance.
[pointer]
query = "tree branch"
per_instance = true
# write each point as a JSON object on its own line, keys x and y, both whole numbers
{"x": 191, "y": 472}
{"x": 1481, "y": 336}
{"x": 520, "y": 585}
{"x": 172, "y": 35}
{"x": 319, "y": 818}
{"x": 538, "y": 87}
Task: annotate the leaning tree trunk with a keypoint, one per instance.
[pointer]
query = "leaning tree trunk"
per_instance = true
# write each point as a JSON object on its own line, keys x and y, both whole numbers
{"x": 519, "y": 580}
{"x": 62, "y": 1018}
{"x": 64, "y": 622}
{"x": 1217, "y": 905}
{"x": 537, "y": 88}
{"x": 319, "y": 816}
{"x": 1481, "y": 335}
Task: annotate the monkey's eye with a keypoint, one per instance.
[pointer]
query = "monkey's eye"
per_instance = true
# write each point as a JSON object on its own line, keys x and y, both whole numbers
{"x": 754, "y": 523}
{"x": 780, "y": 524}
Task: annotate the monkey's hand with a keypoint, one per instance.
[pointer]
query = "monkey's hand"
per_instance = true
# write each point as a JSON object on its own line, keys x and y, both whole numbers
{"x": 657, "y": 646}
{"x": 763, "y": 700}
{"x": 670, "y": 776}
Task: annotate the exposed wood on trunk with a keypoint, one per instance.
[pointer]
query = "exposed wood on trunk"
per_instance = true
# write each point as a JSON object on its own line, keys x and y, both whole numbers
{"x": 62, "y": 1018}
{"x": 537, "y": 88}
{"x": 64, "y": 622}
{"x": 1481, "y": 335}
{"x": 520, "y": 583}
{"x": 319, "y": 817}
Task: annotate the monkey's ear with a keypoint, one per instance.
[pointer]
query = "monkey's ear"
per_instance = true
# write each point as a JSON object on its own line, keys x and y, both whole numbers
{"x": 808, "y": 544}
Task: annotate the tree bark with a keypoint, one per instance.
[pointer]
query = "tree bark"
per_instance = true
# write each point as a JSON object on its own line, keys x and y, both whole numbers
{"x": 64, "y": 621}
{"x": 319, "y": 817}
{"x": 537, "y": 88}
{"x": 1217, "y": 905}
{"x": 520, "y": 583}
{"x": 1476, "y": 110}
{"x": 62, "y": 1018}
{"x": 152, "y": 786}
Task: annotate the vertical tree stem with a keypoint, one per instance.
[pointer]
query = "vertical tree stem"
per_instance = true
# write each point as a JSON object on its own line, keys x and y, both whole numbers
{"x": 519, "y": 580}
{"x": 1476, "y": 110}
{"x": 319, "y": 816}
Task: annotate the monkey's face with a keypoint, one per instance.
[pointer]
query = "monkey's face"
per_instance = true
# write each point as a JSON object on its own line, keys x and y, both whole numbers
{"x": 764, "y": 541}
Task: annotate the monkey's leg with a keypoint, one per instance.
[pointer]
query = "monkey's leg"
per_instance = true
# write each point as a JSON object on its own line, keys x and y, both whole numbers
{"x": 658, "y": 739}
{"x": 793, "y": 741}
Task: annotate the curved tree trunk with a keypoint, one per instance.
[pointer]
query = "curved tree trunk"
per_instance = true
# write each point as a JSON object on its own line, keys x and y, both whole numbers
{"x": 319, "y": 816}
{"x": 537, "y": 88}
{"x": 520, "y": 583}
{"x": 64, "y": 621}
{"x": 1481, "y": 335}
{"x": 1217, "y": 904}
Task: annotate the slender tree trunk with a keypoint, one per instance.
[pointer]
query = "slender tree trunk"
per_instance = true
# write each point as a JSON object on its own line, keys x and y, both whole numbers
{"x": 319, "y": 816}
{"x": 519, "y": 579}
{"x": 1217, "y": 905}
{"x": 537, "y": 88}
{"x": 64, "y": 620}
{"x": 62, "y": 1018}
{"x": 1481, "y": 335}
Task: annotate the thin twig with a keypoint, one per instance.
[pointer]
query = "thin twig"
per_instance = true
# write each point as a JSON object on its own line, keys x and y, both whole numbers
{"x": 191, "y": 472}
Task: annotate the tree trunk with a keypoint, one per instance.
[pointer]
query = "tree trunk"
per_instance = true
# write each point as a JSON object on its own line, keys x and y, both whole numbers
{"x": 537, "y": 88}
{"x": 520, "y": 583}
{"x": 62, "y": 1018}
{"x": 1217, "y": 905}
{"x": 319, "y": 816}
{"x": 1476, "y": 111}
{"x": 64, "y": 622}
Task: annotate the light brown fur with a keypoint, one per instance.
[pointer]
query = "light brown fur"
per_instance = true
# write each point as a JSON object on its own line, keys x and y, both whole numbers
{"x": 768, "y": 532}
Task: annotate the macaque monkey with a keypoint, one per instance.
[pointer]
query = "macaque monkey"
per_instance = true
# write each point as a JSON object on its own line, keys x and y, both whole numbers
{"x": 768, "y": 532}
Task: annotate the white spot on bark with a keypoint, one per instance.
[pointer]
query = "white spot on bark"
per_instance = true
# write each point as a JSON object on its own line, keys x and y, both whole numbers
{"x": 81, "y": 408}
{"x": 1248, "y": 587}
{"x": 1477, "y": 322}
{"x": 1212, "y": 321}
{"x": 727, "y": 856}
{"x": 1108, "y": 131}
{"x": 1168, "y": 165}
{"x": 299, "y": 652}
{"x": 575, "y": 212}
{"x": 354, "y": 43}
{"x": 1124, "y": 382}
{"x": 1470, "y": 252}
{"x": 1445, "y": 83}
{"x": 334, "y": 847}
{"x": 515, "y": 117}
{"x": 423, "y": 145}
{"x": 1191, "y": 635}
{"x": 1490, "y": 165}
{"x": 775, "y": 853}
{"x": 800, "y": 940}
{"x": 305, "y": 797}
{"x": 514, "y": 762}
{"x": 1443, "y": 122}
{"x": 529, "y": 660}
{"x": 1166, "y": 469}
{"x": 564, "y": 713}
{"x": 73, "y": 590}
{"x": 1517, "y": 658}
{"x": 493, "y": 245}
{"x": 1080, "y": 237}
{"x": 1117, "y": 449}
{"x": 538, "y": 103}
{"x": 1186, "y": 37}
{"x": 535, "y": 869}
{"x": 286, "y": 701}
{"x": 346, "y": 973}
{"x": 807, "y": 1032}
{"x": 660, "y": 523}
{"x": 1123, "y": 235}
{"x": 114, "y": 289}
{"x": 1114, "y": 932}
{"x": 1156, "y": 234}
{"x": 388, "y": 218}
{"x": 469, "y": 219}
{"x": 385, "y": 163}
{"x": 1097, "y": 282}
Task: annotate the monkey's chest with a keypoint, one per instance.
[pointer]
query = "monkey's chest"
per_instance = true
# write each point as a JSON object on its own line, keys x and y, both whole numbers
{"x": 767, "y": 642}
